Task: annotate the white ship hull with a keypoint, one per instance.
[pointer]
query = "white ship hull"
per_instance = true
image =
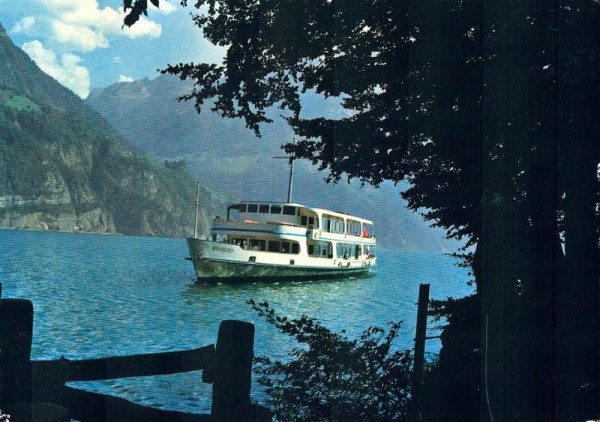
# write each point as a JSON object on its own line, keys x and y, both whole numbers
{"x": 220, "y": 262}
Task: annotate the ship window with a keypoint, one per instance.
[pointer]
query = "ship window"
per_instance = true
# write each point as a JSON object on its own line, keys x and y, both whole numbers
{"x": 275, "y": 209}
{"x": 303, "y": 220}
{"x": 311, "y": 221}
{"x": 295, "y": 248}
{"x": 264, "y": 209}
{"x": 320, "y": 249}
{"x": 285, "y": 247}
{"x": 347, "y": 250}
{"x": 353, "y": 228}
{"x": 274, "y": 246}
{"x": 241, "y": 242}
{"x": 252, "y": 207}
{"x": 242, "y": 208}
{"x": 289, "y": 211}
{"x": 258, "y": 245}
{"x": 221, "y": 238}
{"x": 333, "y": 224}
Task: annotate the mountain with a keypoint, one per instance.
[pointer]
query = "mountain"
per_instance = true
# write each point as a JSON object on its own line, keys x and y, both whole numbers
{"x": 226, "y": 156}
{"x": 63, "y": 167}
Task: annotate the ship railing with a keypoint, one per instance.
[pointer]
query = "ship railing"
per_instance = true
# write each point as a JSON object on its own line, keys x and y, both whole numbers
{"x": 218, "y": 219}
{"x": 282, "y": 223}
{"x": 354, "y": 235}
{"x": 250, "y": 221}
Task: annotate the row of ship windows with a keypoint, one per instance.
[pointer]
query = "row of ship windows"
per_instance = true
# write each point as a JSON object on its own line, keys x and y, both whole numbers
{"x": 266, "y": 246}
{"x": 267, "y": 209}
{"x": 342, "y": 250}
{"x": 319, "y": 249}
{"x": 331, "y": 224}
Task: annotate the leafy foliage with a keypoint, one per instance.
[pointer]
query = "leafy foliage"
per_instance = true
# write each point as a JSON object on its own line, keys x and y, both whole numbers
{"x": 494, "y": 120}
{"x": 331, "y": 377}
{"x": 135, "y": 9}
{"x": 408, "y": 75}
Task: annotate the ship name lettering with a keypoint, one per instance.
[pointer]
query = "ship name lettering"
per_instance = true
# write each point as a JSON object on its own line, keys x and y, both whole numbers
{"x": 222, "y": 249}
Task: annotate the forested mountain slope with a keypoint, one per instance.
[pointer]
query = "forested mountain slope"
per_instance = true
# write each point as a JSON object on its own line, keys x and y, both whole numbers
{"x": 63, "y": 167}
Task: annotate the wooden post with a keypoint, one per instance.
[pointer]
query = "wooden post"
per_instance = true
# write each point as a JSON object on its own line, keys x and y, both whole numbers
{"x": 232, "y": 370}
{"x": 419, "y": 357}
{"x": 16, "y": 331}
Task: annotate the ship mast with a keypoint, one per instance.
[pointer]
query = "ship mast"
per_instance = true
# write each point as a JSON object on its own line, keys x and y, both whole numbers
{"x": 289, "y": 198}
{"x": 291, "y": 159}
{"x": 196, "y": 213}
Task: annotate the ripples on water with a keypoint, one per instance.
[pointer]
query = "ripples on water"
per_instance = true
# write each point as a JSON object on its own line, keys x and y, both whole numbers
{"x": 97, "y": 296}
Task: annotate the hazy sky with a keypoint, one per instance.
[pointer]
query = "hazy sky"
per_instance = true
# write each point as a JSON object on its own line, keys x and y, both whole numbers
{"x": 82, "y": 43}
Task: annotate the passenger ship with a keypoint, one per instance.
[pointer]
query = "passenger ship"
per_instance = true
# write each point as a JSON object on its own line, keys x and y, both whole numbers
{"x": 277, "y": 241}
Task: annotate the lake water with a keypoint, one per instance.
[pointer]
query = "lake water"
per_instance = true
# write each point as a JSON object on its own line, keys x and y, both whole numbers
{"x": 97, "y": 296}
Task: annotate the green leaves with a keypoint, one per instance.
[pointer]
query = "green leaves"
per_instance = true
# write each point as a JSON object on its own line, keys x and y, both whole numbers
{"x": 331, "y": 377}
{"x": 136, "y": 9}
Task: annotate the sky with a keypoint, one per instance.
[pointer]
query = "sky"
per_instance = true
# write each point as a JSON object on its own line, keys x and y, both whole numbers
{"x": 83, "y": 44}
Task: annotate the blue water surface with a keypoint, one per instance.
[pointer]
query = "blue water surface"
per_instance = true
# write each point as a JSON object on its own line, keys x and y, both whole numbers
{"x": 99, "y": 295}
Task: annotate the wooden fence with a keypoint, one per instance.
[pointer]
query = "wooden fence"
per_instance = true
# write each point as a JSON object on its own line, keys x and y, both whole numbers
{"x": 36, "y": 390}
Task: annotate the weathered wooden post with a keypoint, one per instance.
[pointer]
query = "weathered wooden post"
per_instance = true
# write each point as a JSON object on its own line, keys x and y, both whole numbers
{"x": 419, "y": 357}
{"x": 232, "y": 371}
{"x": 16, "y": 334}
{"x": 16, "y": 331}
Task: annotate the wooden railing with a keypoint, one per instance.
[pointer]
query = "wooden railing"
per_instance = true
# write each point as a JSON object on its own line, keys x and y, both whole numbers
{"x": 36, "y": 390}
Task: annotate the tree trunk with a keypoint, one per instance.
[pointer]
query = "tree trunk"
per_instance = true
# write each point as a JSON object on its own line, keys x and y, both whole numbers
{"x": 519, "y": 254}
{"x": 578, "y": 288}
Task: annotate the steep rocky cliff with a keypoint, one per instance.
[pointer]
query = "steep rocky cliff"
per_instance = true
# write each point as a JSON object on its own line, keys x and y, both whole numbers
{"x": 63, "y": 167}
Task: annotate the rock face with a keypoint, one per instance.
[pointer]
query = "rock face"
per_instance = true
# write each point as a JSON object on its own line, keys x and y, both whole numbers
{"x": 63, "y": 167}
{"x": 96, "y": 221}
